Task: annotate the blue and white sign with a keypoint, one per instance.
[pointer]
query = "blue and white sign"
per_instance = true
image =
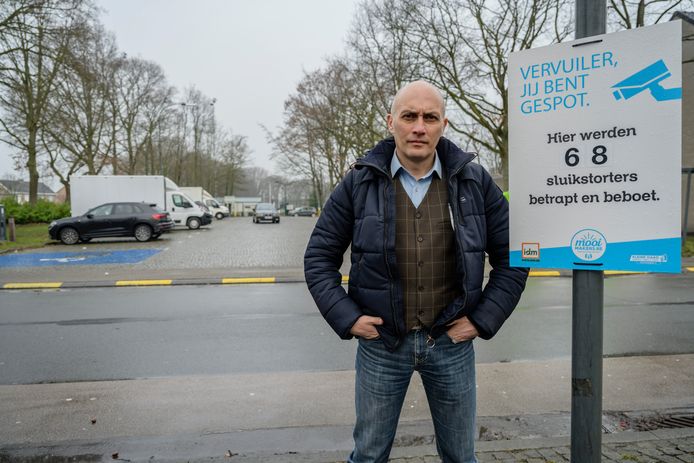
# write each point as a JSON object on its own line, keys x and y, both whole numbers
{"x": 595, "y": 152}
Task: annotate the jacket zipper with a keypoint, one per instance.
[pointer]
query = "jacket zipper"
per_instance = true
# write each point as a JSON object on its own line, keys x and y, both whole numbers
{"x": 393, "y": 310}
{"x": 385, "y": 254}
{"x": 455, "y": 212}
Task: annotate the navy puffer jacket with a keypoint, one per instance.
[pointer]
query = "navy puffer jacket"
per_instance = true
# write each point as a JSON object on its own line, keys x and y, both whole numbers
{"x": 361, "y": 212}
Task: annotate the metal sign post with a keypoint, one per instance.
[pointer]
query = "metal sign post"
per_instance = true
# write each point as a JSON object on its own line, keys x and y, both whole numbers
{"x": 586, "y": 366}
{"x": 587, "y": 311}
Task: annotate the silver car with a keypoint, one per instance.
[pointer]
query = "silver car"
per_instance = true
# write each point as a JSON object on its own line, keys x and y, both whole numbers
{"x": 266, "y": 212}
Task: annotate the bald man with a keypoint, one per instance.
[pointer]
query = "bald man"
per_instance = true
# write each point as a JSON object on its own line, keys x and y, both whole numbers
{"x": 419, "y": 216}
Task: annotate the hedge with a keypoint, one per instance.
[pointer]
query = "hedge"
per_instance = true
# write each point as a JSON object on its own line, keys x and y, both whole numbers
{"x": 44, "y": 211}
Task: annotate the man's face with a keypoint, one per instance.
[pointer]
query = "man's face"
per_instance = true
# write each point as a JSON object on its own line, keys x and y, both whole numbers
{"x": 417, "y": 123}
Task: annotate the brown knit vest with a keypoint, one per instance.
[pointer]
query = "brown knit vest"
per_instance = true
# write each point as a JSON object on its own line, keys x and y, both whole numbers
{"x": 425, "y": 250}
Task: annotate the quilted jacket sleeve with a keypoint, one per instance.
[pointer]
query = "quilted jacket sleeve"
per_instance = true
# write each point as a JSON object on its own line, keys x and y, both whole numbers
{"x": 323, "y": 258}
{"x": 505, "y": 285}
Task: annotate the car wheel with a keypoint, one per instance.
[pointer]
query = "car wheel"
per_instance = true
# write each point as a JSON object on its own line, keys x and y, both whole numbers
{"x": 278, "y": 220}
{"x": 254, "y": 220}
{"x": 219, "y": 216}
{"x": 143, "y": 232}
{"x": 69, "y": 235}
{"x": 193, "y": 223}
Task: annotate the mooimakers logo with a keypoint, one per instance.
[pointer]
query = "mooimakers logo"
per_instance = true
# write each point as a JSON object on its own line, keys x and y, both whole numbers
{"x": 588, "y": 244}
{"x": 648, "y": 78}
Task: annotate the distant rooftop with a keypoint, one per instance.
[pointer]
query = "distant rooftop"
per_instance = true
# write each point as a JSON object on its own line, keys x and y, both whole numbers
{"x": 684, "y": 15}
{"x": 22, "y": 187}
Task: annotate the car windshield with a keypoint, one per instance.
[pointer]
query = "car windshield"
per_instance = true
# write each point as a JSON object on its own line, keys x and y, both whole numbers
{"x": 265, "y": 207}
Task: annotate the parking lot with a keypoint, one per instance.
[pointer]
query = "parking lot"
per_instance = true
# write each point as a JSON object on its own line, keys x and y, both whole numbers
{"x": 229, "y": 247}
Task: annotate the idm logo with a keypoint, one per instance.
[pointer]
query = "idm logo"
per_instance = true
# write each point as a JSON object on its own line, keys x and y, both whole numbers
{"x": 530, "y": 251}
{"x": 588, "y": 244}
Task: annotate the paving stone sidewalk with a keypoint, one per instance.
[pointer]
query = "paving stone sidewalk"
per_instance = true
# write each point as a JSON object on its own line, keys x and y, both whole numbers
{"x": 673, "y": 450}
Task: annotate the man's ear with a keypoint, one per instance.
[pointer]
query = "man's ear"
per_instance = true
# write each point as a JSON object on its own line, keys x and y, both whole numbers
{"x": 389, "y": 122}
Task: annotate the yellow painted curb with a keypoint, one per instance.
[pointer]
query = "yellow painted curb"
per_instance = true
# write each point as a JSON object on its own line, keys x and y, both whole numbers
{"x": 621, "y": 272}
{"x": 545, "y": 273}
{"x": 345, "y": 278}
{"x": 690, "y": 269}
{"x": 234, "y": 281}
{"x": 143, "y": 282}
{"x": 31, "y": 285}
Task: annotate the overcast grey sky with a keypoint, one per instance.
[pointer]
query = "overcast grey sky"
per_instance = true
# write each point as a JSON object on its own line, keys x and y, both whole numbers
{"x": 249, "y": 54}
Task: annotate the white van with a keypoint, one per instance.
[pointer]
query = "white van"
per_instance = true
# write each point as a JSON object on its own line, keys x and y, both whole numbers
{"x": 198, "y": 193}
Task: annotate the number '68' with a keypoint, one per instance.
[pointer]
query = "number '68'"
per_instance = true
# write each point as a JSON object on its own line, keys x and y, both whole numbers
{"x": 599, "y": 156}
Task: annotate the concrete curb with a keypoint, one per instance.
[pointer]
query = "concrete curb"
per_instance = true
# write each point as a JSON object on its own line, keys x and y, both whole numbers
{"x": 236, "y": 280}
{"x": 151, "y": 282}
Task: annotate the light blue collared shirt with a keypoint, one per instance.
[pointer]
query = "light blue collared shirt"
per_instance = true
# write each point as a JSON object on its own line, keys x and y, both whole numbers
{"x": 415, "y": 189}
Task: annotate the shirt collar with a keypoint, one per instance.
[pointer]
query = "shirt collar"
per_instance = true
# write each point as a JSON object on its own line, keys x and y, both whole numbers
{"x": 395, "y": 166}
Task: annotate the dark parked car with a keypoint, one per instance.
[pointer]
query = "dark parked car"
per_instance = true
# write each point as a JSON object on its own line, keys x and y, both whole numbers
{"x": 266, "y": 212}
{"x": 305, "y": 211}
{"x": 140, "y": 220}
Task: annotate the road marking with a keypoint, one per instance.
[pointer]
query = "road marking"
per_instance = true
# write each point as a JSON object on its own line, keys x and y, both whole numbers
{"x": 544, "y": 273}
{"x": 690, "y": 269}
{"x": 345, "y": 278}
{"x": 64, "y": 260}
{"x": 31, "y": 285}
{"x": 143, "y": 282}
{"x": 236, "y": 281}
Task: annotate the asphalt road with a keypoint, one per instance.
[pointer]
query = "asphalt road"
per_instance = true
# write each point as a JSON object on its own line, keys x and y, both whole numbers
{"x": 124, "y": 333}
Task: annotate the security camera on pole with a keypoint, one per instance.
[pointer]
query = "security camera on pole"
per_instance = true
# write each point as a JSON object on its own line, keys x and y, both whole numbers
{"x": 595, "y": 149}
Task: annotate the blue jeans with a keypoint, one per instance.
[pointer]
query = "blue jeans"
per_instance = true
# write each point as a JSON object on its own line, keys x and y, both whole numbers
{"x": 448, "y": 374}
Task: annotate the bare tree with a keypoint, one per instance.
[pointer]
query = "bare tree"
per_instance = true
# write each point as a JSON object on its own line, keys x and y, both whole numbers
{"x": 33, "y": 57}
{"x": 202, "y": 128}
{"x": 297, "y": 152}
{"x": 71, "y": 100}
{"x": 233, "y": 156}
{"x": 329, "y": 122}
{"x": 141, "y": 88}
{"x": 77, "y": 131}
{"x": 630, "y": 14}
{"x": 12, "y": 16}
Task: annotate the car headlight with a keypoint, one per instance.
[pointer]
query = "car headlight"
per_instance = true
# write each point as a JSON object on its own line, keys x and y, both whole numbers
{"x": 52, "y": 224}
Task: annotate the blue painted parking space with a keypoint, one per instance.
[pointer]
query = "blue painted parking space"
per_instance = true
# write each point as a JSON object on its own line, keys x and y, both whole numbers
{"x": 77, "y": 258}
